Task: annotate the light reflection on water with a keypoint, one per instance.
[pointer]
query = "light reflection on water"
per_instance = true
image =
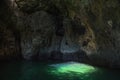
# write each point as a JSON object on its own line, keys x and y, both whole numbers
{"x": 72, "y": 70}
{"x": 50, "y": 71}
{"x": 73, "y": 67}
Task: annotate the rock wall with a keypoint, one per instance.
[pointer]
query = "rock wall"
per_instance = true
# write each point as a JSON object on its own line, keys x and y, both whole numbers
{"x": 81, "y": 30}
{"x": 9, "y": 35}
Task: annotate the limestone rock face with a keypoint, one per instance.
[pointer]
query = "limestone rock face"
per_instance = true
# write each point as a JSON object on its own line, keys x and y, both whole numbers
{"x": 9, "y": 36}
{"x": 9, "y": 47}
{"x": 66, "y": 29}
{"x": 36, "y": 32}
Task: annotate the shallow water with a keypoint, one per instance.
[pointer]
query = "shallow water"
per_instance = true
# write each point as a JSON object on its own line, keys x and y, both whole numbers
{"x": 55, "y": 71}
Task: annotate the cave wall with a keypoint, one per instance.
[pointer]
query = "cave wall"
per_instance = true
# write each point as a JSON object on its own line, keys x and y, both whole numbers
{"x": 65, "y": 29}
{"x": 9, "y": 35}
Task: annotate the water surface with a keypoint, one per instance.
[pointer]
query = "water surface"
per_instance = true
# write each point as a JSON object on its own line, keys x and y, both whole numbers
{"x": 55, "y": 71}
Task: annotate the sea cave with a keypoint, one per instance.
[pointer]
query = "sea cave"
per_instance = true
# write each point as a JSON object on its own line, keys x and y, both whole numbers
{"x": 59, "y": 40}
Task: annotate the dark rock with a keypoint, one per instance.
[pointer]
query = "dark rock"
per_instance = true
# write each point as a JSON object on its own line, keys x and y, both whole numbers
{"x": 62, "y": 29}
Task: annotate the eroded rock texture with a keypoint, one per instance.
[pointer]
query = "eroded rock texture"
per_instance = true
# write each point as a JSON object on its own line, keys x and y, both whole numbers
{"x": 9, "y": 35}
{"x": 81, "y": 30}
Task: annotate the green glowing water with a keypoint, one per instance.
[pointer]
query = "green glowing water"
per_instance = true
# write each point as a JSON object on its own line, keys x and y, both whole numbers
{"x": 78, "y": 68}
{"x": 55, "y": 71}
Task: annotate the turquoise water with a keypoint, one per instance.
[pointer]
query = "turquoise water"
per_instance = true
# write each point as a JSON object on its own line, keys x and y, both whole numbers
{"x": 55, "y": 71}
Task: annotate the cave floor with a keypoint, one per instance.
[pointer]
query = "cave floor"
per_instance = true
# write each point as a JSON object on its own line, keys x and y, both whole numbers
{"x": 55, "y": 71}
